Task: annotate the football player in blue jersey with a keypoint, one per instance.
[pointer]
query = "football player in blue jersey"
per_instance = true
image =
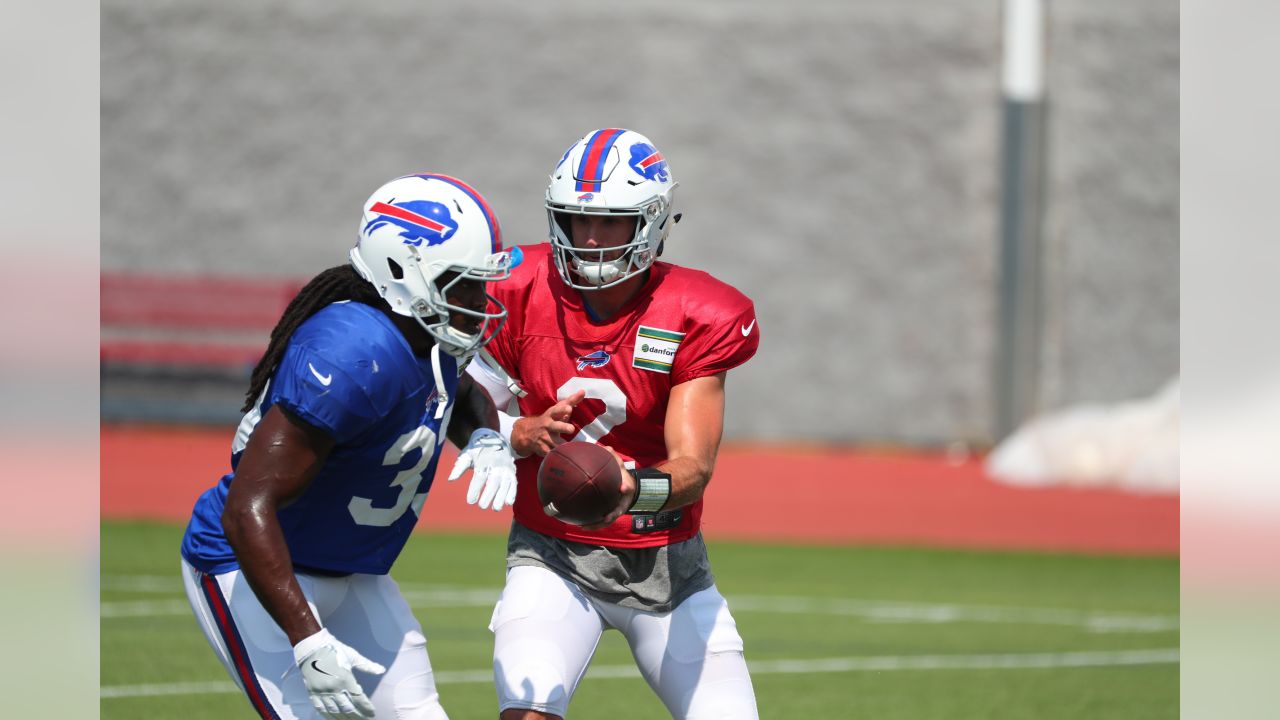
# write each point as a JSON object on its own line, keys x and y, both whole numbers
{"x": 285, "y": 560}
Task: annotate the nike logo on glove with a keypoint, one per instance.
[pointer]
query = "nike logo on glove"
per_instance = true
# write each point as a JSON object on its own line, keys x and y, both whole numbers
{"x": 316, "y": 667}
{"x": 746, "y": 330}
{"x": 326, "y": 379}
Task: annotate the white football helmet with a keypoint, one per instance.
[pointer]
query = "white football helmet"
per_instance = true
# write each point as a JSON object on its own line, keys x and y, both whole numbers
{"x": 610, "y": 172}
{"x": 415, "y": 229}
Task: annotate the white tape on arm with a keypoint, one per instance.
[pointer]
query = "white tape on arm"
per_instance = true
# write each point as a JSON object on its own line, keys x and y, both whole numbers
{"x": 493, "y": 383}
{"x": 505, "y": 424}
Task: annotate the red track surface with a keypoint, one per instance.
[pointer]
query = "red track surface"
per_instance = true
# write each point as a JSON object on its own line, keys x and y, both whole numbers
{"x": 759, "y": 493}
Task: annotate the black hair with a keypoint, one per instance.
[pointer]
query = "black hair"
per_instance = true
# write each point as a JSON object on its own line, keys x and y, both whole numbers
{"x": 337, "y": 283}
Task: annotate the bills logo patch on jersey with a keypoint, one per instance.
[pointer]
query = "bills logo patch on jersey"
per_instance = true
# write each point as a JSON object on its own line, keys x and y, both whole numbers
{"x": 647, "y": 161}
{"x": 656, "y": 349}
{"x": 419, "y": 220}
{"x": 597, "y": 359}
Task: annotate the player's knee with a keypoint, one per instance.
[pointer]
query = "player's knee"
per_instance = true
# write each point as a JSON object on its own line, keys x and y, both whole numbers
{"x": 415, "y": 698}
{"x": 727, "y": 699}
{"x": 529, "y": 671}
{"x": 424, "y": 710}
{"x": 722, "y": 690}
{"x": 739, "y": 709}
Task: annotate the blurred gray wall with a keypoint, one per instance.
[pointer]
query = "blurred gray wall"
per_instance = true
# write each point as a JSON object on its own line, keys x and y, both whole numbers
{"x": 837, "y": 161}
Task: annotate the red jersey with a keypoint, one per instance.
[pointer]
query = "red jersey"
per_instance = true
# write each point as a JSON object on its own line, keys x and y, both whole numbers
{"x": 683, "y": 325}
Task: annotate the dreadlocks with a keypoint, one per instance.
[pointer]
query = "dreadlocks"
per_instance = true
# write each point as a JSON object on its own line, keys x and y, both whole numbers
{"x": 336, "y": 283}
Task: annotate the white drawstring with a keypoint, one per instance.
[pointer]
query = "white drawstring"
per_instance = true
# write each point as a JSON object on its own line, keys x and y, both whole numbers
{"x": 442, "y": 395}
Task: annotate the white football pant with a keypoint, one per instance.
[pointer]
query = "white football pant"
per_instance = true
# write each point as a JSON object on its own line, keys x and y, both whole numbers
{"x": 546, "y": 629}
{"x": 366, "y": 612}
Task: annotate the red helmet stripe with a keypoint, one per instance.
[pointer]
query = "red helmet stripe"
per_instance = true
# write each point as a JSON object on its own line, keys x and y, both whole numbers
{"x": 408, "y": 216}
{"x": 592, "y": 167}
{"x": 656, "y": 157}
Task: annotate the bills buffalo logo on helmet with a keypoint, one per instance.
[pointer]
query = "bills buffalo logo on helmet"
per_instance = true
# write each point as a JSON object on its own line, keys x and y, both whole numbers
{"x": 586, "y": 197}
{"x": 419, "y": 220}
{"x": 647, "y": 161}
{"x": 599, "y": 358}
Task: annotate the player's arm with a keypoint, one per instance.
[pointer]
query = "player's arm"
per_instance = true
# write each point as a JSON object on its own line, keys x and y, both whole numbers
{"x": 473, "y": 409}
{"x": 693, "y": 426}
{"x": 282, "y": 458}
{"x": 692, "y": 430}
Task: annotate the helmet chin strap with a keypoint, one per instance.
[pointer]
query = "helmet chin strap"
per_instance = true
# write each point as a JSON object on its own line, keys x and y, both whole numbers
{"x": 465, "y": 340}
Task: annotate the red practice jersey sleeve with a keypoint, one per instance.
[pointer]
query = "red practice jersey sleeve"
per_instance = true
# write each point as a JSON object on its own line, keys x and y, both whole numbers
{"x": 683, "y": 325}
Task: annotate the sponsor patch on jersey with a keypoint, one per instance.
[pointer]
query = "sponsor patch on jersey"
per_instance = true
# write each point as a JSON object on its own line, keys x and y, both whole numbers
{"x": 656, "y": 349}
{"x": 597, "y": 359}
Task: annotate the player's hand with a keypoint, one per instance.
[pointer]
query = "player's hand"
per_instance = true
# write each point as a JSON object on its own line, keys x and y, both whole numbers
{"x": 541, "y": 433}
{"x": 629, "y": 489}
{"x": 326, "y": 665}
{"x": 493, "y": 470}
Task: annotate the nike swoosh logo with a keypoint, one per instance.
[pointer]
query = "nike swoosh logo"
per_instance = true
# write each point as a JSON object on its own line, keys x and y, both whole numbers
{"x": 316, "y": 667}
{"x": 746, "y": 329}
{"x": 326, "y": 379}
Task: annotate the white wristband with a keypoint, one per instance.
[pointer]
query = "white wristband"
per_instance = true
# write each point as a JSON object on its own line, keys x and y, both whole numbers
{"x": 484, "y": 432}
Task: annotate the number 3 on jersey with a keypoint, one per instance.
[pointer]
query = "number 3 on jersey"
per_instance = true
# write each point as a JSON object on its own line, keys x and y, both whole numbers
{"x": 615, "y": 405}
{"x": 362, "y": 510}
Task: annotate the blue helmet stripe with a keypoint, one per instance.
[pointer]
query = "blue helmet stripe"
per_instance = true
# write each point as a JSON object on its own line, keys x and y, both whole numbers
{"x": 495, "y": 232}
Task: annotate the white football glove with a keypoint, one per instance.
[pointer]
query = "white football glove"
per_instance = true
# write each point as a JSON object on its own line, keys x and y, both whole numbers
{"x": 326, "y": 665}
{"x": 493, "y": 466}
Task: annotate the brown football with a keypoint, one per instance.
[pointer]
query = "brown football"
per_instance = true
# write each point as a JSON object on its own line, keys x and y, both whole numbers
{"x": 579, "y": 483}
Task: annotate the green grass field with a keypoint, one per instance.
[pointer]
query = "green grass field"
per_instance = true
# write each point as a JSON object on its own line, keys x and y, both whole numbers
{"x": 830, "y": 633}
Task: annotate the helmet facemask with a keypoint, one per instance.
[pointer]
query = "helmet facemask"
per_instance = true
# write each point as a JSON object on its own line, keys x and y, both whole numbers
{"x": 435, "y": 313}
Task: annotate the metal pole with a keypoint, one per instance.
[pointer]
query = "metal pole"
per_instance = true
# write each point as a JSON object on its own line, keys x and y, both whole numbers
{"x": 1022, "y": 190}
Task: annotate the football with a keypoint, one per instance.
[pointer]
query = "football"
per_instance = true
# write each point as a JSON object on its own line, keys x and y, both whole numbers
{"x": 579, "y": 483}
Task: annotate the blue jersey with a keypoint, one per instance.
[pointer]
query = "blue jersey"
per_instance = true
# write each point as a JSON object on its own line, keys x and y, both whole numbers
{"x": 348, "y": 371}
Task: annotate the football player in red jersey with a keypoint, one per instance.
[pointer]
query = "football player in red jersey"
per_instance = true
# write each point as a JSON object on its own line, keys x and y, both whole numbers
{"x": 613, "y": 347}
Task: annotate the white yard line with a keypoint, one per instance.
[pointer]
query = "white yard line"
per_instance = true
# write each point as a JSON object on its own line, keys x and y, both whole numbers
{"x": 905, "y": 612}
{"x": 421, "y": 595}
{"x": 144, "y": 583}
{"x": 1158, "y": 656}
{"x": 143, "y": 608}
{"x": 214, "y": 687}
